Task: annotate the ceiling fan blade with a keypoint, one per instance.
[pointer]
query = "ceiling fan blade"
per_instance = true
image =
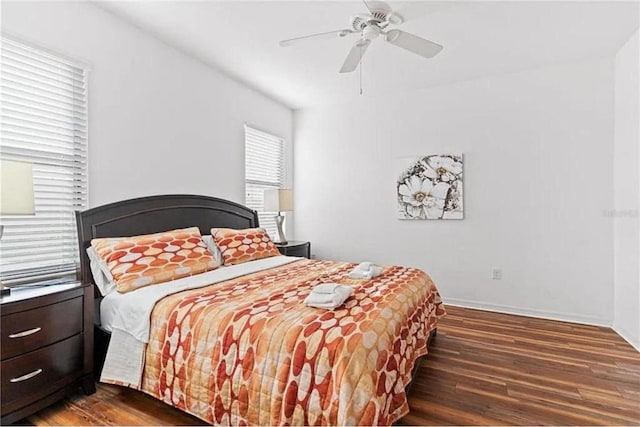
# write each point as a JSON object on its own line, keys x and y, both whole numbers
{"x": 327, "y": 35}
{"x": 412, "y": 43}
{"x": 355, "y": 56}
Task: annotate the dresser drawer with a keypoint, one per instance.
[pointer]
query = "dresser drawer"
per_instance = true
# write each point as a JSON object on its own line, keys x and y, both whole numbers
{"x": 31, "y": 329}
{"x": 33, "y": 375}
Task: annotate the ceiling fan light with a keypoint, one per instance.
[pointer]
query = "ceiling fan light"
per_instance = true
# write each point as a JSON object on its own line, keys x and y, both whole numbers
{"x": 392, "y": 35}
{"x": 371, "y": 32}
{"x": 395, "y": 19}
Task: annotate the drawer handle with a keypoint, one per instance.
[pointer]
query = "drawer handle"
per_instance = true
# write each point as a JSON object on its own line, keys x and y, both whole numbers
{"x": 26, "y": 376}
{"x": 25, "y": 333}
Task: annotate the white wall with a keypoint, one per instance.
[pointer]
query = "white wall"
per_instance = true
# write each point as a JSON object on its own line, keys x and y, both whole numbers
{"x": 538, "y": 180}
{"x": 627, "y": 193}
{"x": 160, "y": 121}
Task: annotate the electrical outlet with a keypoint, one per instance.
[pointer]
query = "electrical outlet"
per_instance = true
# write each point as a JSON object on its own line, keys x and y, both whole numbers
{"x": 496, "y": 274}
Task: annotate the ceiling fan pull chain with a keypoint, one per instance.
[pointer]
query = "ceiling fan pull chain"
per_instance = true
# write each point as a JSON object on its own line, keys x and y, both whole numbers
{"x": 360, "y": 70}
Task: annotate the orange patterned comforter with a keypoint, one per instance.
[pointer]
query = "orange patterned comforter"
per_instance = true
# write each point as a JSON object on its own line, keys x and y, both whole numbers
{"x": 248, "y": 351}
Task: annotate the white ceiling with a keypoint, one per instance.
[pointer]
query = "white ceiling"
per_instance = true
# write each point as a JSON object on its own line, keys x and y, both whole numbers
{"x": 480, "y": 38}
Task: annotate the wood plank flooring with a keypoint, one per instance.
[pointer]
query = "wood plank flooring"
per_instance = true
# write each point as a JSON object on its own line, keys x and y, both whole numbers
{"x": 483, "y": 369}
{"x": 487, "y": 368}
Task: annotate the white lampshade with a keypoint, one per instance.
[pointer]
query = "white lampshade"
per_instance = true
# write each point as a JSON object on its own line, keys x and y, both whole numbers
{"x": 280, "y": 200}
{"x": 16, "y": 188}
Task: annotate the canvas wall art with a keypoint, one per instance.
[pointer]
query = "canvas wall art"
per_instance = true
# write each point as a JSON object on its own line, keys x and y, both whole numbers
{"x": 431, "y": 188}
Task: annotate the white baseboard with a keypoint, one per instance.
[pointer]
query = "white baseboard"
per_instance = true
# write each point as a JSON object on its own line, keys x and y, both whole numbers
{"x": 627, "y": 337}
{"x": 529, "y": 312}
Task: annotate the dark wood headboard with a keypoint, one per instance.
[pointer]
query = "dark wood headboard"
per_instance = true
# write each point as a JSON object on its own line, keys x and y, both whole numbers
{"x": 146, "y": 215}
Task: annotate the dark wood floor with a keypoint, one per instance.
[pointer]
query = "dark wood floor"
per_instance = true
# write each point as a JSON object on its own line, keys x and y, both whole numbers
{"x": 483, "y": 369}
{"x": 495, "y": 369}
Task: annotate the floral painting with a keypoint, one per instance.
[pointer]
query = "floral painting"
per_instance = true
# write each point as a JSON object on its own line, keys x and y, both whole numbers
{"x": 431, "y": 188}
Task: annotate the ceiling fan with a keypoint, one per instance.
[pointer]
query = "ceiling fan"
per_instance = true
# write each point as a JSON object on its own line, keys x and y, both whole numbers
{"x": 371, "y": 26}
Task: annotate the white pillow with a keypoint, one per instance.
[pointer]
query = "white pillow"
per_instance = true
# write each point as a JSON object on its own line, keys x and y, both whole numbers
{"x": 213, "y": 248}
{"x": 101, "y": 275}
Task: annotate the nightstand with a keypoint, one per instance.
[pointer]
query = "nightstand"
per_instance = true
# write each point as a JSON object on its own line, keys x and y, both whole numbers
{"x": 46, "y": 335}
{"x": 295, "y": 248}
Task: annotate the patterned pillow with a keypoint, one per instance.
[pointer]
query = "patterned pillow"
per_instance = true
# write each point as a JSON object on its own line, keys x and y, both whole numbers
{"x": 140, "y": 261}
{"x": 238, "y": 246}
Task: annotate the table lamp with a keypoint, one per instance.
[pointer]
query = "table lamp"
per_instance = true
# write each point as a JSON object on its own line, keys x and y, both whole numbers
{"x": 16, "y": 193}
{"x": 280, "y": 200}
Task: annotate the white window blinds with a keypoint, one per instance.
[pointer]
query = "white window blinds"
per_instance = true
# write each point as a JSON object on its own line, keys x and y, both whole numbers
{"x": 264, "y": 169}
{"x": 43, "y": 121}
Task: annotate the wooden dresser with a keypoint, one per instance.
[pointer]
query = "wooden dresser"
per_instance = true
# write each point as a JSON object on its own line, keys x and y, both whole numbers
{"x": 46, "y": 336}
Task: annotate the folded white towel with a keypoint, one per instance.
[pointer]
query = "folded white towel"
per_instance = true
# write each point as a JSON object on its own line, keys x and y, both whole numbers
{"x": 325, "y": 288}
{"x": 365, "y": 266}
{"x": 328, "y": 300}
{"x": 373, "y": 271}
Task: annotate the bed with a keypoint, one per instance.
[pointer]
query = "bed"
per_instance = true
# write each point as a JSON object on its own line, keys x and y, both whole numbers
{"x": 237, "y": 346}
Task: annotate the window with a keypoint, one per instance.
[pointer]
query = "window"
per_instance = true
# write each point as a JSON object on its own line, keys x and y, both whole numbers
{"x": 264, "y": 169}
{"x": 43, "y": 121}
